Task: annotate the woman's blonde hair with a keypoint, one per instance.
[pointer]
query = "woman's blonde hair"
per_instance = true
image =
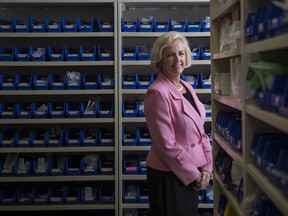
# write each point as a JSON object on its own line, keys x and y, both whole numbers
{"x": 165, "y": 41}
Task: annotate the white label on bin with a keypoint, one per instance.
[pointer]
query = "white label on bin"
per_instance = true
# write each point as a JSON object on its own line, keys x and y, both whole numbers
{"x": 105, "y": 54}
{"x": 7, "y": 113}
{"x": 37, "y": 27}
{"x": 128, "y": 83}
{"x": 24, "y": 199}
{"x": 129, "y": 26}
{"x": 7, "y": 142}
{"x": 87, "y": 192}
{"x": 88, "y": 112}
{"x": 128, "y": 54}
{"x": 87, "y": 54}
{"x": 72, "y": 55}
{"x": 73, "y": 141}
{"x": 145, "y": 140}
{"x": 56, "y": 170}
{"x": 56, "y": 112}
{"x": 53, "y": 141}
{"x": 56, "y": 55}
{"x": 89, "y": 140}
{"x": 207, "y": 53}
{"x": 5, "y": 171}
{"x": 106, "y": 26}
{"x": 40, "y": 112}
{"x": 146, "y": 26}
{"x": 91, "y": 83}
{"x": 106, "y": 83}
{"x": 38, "y": 142}
{"x": 5, "y": 26}
{"x": 21, "y": 26}
{"x": 106, "y": 169}
{"x": 22, "y": 55}
{"x": 73, "y": 84}
{"x": 144, "y": 83}
{"x": 7, "y": 84}
{"x": 55, "y": 26}
{"x": 23, "y": 84}
{"x": 55, "y": 199}
{"x": 23, "y": 113}
{"x": 57, "y": 84}
{"x": 104, "y": 111}
{"x": 21, "y": 142}
{"x": 129, "y": 111}
{"x": 106, "y": 140}
{"x": 177, "y": 26}
{"x": 161, "y": 26}
{"x": 193, "y": 26}
{"x": 69, "y": 26}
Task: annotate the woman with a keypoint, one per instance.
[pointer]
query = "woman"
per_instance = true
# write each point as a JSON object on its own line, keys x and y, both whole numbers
{"x": 179, "y": 163}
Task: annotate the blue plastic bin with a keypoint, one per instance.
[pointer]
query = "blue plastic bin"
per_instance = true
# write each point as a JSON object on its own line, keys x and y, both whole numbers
{"x": 144, "y": 137}
{"x": 72, "y": 54}
{"x": 9, "y": 196}
{"x": 105, "y": 25}
{"x": 25, "y": 110}
{"x": 41, "y": 110}
{"x": 130, "y": 164}
{"x": 7, "y": 138}
{"x": 143, "y": 192}
{"x": 162, "y": 26}
{"x": 143, "y": 52}
{"x": 89, "y": 194}
{"x": 88, "y": 54}
{"x": 90, "y": 109}
{"x": 106, "y": 81}
{"x": 74, "y": 109}
{"x": 38, "y": 53}
{"x": 6, "y": 25}
{"x": 57, "y": 166}
{"x": 72, "y": 194}
{"x": 56, "y": 54}
{"x": 129, "y": 26}
{"x": 105, "y": 109}
{"x": 86, "y": 25}
{"x": 53, "y": 25}
{"x": 40, "y": 195}
{"x": 73, "y": 137}
{"x": 9, "y": 82}
{"x": 41, "y": 137}
{"x": 205, "y": 22}
{"x": 69, "y": 26}
{"x": 41, "y": 166}
{"x": 36, "y": 25}
{"x": 107, "y": 193}
{"x": 56, "y": 194}
{"x": 22, "y": 54}
{"x": 25, "y": 169}
{"x": 90, "y": 81}
{"x": 130, "y": 192}
{"x": 146, "y": 25}
{"x": 129, "y": 53}
{"x": 20, "y": 25}
{"x": 90, "y": 137}
{"x": 74, "y": 166}
{"x": 88, "y": 167}
{"x": 129, "y": 136}
{"x": 56, "y": 138}
{"x": 106, "y": 165}
{"x": 58, "y": 82}
{"x": 144, "y": 81}
{"x": 129, "y": 109}
{"x": 106, "y": 137}
{"x": 41, "y": 82}
{"x": 129, "y": 81}
{"x": 193, "y": 26}
{"x": 142, "y": 168}
{"x": 179, "y": 26}
{"x": 7, "y": 54}
{"x": 105, "y": 54}
{"x": 9, "y": 110}
{"x": 25, "y": 82}
{"x": 57, "y": 109}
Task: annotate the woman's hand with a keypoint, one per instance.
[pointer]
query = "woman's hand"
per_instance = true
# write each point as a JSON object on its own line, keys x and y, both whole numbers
{"x": 203, "y": 181}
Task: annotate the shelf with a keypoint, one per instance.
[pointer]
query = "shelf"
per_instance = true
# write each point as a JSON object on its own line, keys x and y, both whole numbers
{"x": 55, "y": 92}
{"x": 136, "y": 148}
{"x": 272, "y": 119}
{"x": 58, "y": 149}
{"x": 143, "y": 91}
{"x": 227, "y": 54}
{"x": 194, "y": 62}
{"x": 274, "y": 194}
{"x": 56, "y": 64}
{"x": 157, "y": 34}
{"x": 224, "y": 9}
{"x": 232, "y": 199}
{"x": 57, "y": 178}
{"x": 144, "y": 205}
{"x": 275, "y": 43}
{"x": 134, "y": 177}
{"x": 229, "y": 149}
{"x": 56, "y": 207}
{"x": 56, "y": 35}
{"x": 56, "y": 121}
{"x": 229, "y": 101}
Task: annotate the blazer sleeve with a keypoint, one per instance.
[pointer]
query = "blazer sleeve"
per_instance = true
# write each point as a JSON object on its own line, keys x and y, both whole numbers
{"x": 171, "y": 153}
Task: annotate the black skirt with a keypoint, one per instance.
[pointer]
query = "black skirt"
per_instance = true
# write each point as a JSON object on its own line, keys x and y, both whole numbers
{"x": 168, "y": 196}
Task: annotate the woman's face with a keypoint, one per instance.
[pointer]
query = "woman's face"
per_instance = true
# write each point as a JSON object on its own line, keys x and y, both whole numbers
{"x": 174, "y": 59}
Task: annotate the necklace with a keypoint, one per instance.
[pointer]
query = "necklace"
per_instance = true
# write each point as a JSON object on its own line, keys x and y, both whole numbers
{"x": 181, "y": 87}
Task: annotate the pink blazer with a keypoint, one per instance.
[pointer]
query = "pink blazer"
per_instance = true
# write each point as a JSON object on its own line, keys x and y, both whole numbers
{"x": 179, "y": 142}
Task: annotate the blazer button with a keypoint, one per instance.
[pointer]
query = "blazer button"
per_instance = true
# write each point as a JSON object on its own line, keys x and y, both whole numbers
{"x": 193, "y": 145}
